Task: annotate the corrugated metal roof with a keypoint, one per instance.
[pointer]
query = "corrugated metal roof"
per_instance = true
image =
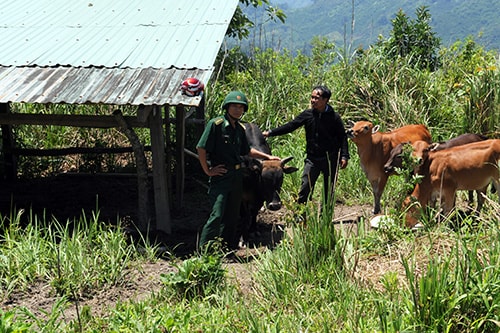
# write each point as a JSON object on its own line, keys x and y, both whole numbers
{"x": 108, "y": 51}
{"x": 81, "y": 85}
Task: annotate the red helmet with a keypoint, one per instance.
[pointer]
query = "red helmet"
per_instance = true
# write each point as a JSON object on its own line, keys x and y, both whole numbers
{"x": 192, "y": 87}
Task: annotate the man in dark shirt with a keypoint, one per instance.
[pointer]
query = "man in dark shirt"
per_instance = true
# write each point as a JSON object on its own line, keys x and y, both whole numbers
{"x": 326, "y": 143}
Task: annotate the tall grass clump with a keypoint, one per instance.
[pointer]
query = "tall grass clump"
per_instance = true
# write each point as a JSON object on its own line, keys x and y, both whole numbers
{"x": 482, "y": 107}
{"x": 9, "y": 323}
{"x": 74, "y": 258}
{"x": 22, "y": 253}
{"x": 458, "y": 292}
{"x": 86, "y": 255}
{"x": 306, "y": 275}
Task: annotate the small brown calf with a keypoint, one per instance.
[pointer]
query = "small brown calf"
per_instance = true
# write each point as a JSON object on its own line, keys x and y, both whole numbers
{"x": 374, "y": 148}
{"x": 467, "y": 167}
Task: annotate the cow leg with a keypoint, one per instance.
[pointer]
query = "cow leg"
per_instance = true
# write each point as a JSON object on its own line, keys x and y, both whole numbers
{"x": 447, "y": 200}
{"x": 471, "y": 197}
{"x": 378, "y": 188}
{"x": 412, "y": 211}
{"x": 244, "y": 225}
{"x": 414, "y": 204}
{"x": 480, "y": 198}
{"x": 470, "y": 201}
{"x": 496, "y": 187}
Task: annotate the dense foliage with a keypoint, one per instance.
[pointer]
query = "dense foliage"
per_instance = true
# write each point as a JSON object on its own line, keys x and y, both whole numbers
{"x": 452, "y": 20}
{"x": 414, "y": 39}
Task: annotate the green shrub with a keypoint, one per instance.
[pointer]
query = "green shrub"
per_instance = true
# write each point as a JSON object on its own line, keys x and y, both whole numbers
{"x": 198, "y": 276}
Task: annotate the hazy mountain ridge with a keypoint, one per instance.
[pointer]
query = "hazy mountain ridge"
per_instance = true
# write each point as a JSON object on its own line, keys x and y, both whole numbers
{"x": 452, "y": 20}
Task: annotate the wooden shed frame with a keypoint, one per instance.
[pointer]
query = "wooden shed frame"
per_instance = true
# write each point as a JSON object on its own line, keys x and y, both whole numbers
{"x": 151, "y": 116}
{"x": 108, "y": 53}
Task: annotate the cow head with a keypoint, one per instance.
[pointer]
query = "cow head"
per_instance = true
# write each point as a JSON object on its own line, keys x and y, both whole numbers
{"x": 357, "y": 131}
{"x": 395, "y": 160}
{"x": 272, "y": 172}
{"x": 419, "y": 151}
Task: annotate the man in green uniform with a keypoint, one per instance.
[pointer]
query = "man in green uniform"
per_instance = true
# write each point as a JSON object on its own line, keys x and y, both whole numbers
{"x": 220, "y": 148}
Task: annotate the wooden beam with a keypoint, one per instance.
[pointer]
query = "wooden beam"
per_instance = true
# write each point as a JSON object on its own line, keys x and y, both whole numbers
{"x": 160, "y": 186}
{"x": 143, "y": 113}
{"x": 190, "y": 153}
{"x": 79, "y": 120}
{"x": 199, "y": 121}
{"x": 73, "y": 151}
{"x": 66, "y": 120}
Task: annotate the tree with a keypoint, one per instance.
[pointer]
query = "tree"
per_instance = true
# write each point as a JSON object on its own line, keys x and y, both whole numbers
{"x": 415, "y": 39}
{"x": 240, "y": 24}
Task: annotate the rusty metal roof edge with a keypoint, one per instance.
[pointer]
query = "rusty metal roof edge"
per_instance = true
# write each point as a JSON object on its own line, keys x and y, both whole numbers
{"x": 88, "y": 85}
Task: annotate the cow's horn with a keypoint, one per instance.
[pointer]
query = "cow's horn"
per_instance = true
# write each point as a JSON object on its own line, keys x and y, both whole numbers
{"x": 285, "y": 160}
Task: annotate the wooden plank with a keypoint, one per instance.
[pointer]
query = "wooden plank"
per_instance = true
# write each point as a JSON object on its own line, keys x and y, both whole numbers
{"x": 162, "y": 207}
{"x": 73, "y": 151}
{"x": 66, "y": 120}
{"x": 79, "y": 120}
{"x": 199, "y": 121}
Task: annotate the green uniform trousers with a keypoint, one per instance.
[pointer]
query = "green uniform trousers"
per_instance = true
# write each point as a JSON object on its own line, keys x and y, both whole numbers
{"x": 225, "y": 194}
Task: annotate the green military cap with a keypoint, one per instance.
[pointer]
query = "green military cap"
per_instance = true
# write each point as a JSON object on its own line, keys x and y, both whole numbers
{"x": 235, "y": 97}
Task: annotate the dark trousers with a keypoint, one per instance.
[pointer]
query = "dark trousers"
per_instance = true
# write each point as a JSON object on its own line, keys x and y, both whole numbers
{"x": 225, "y": 194}
{"x": 312, "y": 169}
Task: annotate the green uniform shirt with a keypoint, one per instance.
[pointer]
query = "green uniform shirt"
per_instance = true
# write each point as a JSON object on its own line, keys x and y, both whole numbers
{"x": 223, "y": 143}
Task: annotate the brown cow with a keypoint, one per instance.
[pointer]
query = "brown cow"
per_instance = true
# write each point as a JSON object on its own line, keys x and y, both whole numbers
{"x": 396, "y": 159}
{"x": 468, "y": 167}
{"x": 374, "y": 148}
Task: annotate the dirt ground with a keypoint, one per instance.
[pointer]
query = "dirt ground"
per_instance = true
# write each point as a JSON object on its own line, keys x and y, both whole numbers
{"x": 115, "y": 197}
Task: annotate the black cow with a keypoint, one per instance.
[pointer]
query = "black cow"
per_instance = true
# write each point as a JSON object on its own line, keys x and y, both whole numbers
{"x": 457, "y": 141}
{"x": 262, "y": 181}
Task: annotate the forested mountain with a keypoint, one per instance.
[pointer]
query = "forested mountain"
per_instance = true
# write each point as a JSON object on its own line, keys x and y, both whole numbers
{"x": 452, "y": 20}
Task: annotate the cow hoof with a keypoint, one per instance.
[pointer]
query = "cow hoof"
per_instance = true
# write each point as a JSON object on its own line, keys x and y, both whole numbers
{"x": 417, "y": 227}
{"x": 381, "y": 221}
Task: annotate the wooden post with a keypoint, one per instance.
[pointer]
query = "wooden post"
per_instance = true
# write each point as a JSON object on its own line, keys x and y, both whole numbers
{"x": 162, "y": 207}
{"x": 8, "y": 145}
{"x": 168, "y": 153}
{"x": 200, "y": 114}
{"x": 180, "y": 128}
{"x": 142, "y": 171}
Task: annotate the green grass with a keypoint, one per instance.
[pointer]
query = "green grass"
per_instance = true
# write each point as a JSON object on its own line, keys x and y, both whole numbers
{"x": 317, "y": 280}
{"x": 76, "y": 257}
